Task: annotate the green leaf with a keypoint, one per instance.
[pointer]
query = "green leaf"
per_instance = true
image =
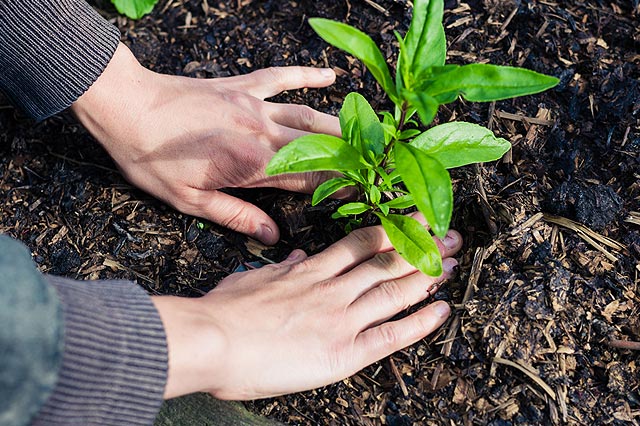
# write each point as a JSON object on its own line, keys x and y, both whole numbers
{"x": 458, "y": 143}
{"x": 409, "y": 134}
{"x": 403, "y": 65}
{"x": 366, "y": 123}
{"x": 351, "y": 134}
{"x": 134, "y": 9}
{"x": 351, "y": 209}
{"x": 485, "y": 83}
{"x": 402, "y": 202}
{"x": 315, "y": 152}
{"x": 374, "y": 195}
{"x": 358, "y": 44}
{"x": 426, "y": 106}
{"x": 425, "y": 41}
{"x": 413, "y": 242}
{"x": 329, "y": 187}
{"x": 429, "y": 183}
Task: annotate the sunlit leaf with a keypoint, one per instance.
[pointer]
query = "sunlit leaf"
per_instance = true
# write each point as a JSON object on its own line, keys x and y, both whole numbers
{"x": 351, "y": 209}
{"x": 359, "y": 117}
{"x": 485, "y": 82}
{"x": 425, "y": 41}
{"x": 315, "y": 152}
{"x": 330, "y": 187}
{"x": 458, "y": 143}
{"x": 134, "y": 9}
{"x": 358, "y": 44}
{"x": 402, "y": 202}
{"x": 429, "y": 183}
{"x": 413, "y": 242}
{"x": 425, "y": 105}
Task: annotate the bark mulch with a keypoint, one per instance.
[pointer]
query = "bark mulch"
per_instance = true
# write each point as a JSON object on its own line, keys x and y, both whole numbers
{"x": 546, "y": 323}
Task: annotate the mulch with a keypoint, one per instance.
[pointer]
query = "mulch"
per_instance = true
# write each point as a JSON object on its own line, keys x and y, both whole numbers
{"x": 546, "y": 322}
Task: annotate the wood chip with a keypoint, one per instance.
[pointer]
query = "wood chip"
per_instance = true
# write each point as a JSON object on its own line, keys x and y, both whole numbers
{"x": 530, "y": 372}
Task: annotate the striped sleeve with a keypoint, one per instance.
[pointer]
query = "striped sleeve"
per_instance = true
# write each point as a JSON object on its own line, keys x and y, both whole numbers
{"x": 114, "y": 362}
{"x": 51, "y": 52}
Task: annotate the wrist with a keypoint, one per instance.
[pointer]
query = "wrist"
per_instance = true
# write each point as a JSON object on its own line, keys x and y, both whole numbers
{"x": 115, "y": 101}
{"x": 195, "y": 345}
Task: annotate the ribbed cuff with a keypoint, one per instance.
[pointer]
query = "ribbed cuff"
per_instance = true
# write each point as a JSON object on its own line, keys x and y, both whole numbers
{"x": 51, "y": 52}
{"x": 114, "y": 364}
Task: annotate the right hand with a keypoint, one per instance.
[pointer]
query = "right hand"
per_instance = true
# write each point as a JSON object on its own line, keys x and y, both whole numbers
{"x": 303, "y": 323}
{"x": 183, "y": 139}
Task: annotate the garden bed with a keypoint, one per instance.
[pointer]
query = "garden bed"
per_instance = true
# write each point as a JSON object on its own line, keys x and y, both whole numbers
{"x": 549, "y": 273}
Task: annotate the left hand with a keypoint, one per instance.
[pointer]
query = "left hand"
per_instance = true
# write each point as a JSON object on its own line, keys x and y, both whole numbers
{"x": 303, "y": 323}
{"x": 182, "y": 139}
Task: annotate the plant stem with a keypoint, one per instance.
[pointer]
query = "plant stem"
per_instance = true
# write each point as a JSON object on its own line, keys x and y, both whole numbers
{"x": 403, "y": 116}
{"x": 401, "y": 123}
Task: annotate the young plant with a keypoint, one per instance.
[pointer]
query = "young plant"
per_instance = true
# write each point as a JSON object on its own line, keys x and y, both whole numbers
{"x": 392, "y": 163}
{"x": 134, "y": 9}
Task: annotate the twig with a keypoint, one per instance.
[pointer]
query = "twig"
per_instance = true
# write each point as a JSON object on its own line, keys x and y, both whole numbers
{"x": 532, "y": 374}
{"x": 377, "y": 7}
{"x": 528, "y": 120}
{"x": 398, "y": 376}
{"x": 487, "y": 211}
{"x": 596, "y": 240}
{"x": 474, "y": 276}
{"x": 624, "y": 344}
{"x": 634, "y": 217}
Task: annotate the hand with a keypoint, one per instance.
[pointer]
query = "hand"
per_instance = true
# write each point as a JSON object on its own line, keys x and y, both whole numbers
{"x": 181, "y": 139}
{"x": 302, "y": 323}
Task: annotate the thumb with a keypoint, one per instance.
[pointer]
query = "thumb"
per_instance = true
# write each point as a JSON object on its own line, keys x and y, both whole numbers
{"x": 239, "y": 215}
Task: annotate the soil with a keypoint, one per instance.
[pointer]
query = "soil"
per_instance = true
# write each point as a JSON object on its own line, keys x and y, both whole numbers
{"x": 549, "y": 273}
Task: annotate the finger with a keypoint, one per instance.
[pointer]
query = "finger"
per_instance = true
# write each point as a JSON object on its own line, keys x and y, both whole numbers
{"x": 238, "y": 215}
{"x": 305, "y": 183}
{"x": 390, "y": 266}
{"x": 360, "y": 245}
{"x": 296, "y": 182}
{"x": 378, "y": 342}
{"x": 296, "y": 256}
{"x": 394, "y": 296}
{"x": 304, "y": 118}
{"x": 269, "y": 82}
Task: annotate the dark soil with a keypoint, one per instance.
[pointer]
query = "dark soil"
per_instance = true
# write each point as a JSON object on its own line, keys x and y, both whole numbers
{"x": 538, "y": 300}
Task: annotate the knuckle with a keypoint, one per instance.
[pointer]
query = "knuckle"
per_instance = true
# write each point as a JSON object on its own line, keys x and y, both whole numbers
{"x": 275, "y": 74}
{"x": 391, "y": 292}
{"x": 388, "y": 336}
{"x": 390, "y": 262}
{"x": 300, "y": 268}
{"x": 239, "y": 219}
{"x": 307, "y": 116}
{"x": 361, "y": 238}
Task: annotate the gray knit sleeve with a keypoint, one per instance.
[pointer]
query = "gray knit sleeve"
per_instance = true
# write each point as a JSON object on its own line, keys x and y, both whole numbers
{"x": 31, "y": 333}
{"x": 51, "y": 52}
{"x": 114, "y": 363}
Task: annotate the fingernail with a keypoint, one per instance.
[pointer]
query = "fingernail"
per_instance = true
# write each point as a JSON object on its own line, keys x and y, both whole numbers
{"x": 266, "y": 234}
{"x": 327, "y": 72}
{"x": 450, "y": 265}
{"x": 442, "y": 309}
{"x": 294, "y": 255}
{"x": 451, "y": 240}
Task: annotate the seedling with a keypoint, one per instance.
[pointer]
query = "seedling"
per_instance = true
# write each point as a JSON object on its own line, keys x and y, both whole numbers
{"x": 134, "y": 9}
{"x": 392, "y": 163}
